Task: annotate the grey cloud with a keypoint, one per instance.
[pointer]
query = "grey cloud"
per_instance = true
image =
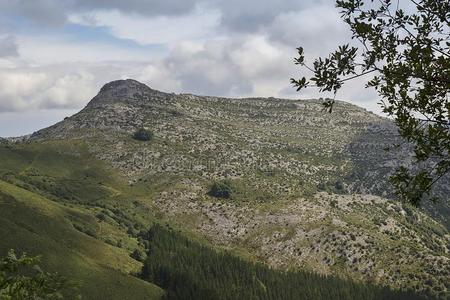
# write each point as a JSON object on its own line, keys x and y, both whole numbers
{"x": 55, "y": 12}
{"x": 286, "y": 21}
{"x": 318, "y": 29}
{"x": 236, "y": 67}
{"x": 237, "y": 15}
{"x": 252, "y": 15}
{"x": 143, "y": 7}
{"x": 8, "y": 47}
{"x": 43, "y": 12}
{"x": 200, "y": 83}
{"x": 209, "y": 71}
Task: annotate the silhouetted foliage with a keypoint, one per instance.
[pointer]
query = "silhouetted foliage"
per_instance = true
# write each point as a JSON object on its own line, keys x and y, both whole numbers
{"x": 407, "y": 52}
{"x": 189, "y": 270}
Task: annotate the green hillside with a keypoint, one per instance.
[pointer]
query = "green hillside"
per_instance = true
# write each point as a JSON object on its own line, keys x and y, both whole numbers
{"x": 33, "y": 224}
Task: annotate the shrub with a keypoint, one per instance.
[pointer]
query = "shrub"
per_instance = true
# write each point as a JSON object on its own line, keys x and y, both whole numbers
{"x": 321, "y": 187}
{"x": 22, "y": 278}
{"x": 143, "y": 134}
{"x": 221, "y": 189}
{"x": 138, "y": 255}
{"x": 339, "y": 187}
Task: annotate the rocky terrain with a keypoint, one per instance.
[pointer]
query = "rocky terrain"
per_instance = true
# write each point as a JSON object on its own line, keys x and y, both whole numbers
{"x": 284, "y": 146}
{"x": 310, "y": 188}
{"x": 232, "y": 137}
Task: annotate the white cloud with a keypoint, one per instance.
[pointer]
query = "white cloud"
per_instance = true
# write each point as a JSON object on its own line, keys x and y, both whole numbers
{"x": 256, "y": 56}
{"x": 29, "y": 89}
{"x": 158, "y": 77}
{"x": 16, "y": 89}
{"x": 65, "y": 92}
{"x": 198, "y": 25}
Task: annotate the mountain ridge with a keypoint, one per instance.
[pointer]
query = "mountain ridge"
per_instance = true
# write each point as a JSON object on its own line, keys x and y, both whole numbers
{"x": 132, "y": 92}
{"x": 352, "y": 132}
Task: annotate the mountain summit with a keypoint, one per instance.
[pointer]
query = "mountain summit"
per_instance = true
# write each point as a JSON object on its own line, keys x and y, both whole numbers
{"x": 127, "y": 90}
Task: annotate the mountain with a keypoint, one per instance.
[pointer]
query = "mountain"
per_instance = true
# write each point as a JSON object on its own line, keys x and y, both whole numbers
{"x": 308, "y": 189}
{"x": 295, "y": 141}
{"x": 234, "y": 137}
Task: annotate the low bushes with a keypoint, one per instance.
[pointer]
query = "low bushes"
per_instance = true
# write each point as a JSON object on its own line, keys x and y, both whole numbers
{"x": 143, "y": 134}
{"x": 221, "y": 189}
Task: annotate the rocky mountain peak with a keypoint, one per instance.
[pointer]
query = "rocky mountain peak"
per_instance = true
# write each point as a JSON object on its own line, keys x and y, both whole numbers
{"x": 125, "y": 91}
{"x": 122, "y": 83}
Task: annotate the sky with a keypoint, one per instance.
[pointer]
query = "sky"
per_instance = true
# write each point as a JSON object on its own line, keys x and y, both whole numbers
{"x": 55, "y": 55}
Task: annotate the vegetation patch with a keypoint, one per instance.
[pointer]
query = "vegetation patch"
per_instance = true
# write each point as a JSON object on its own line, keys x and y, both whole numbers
{"x": 222, "y": 189}
{"x": 337, "y": 187}
{"x": 143, "y": 134}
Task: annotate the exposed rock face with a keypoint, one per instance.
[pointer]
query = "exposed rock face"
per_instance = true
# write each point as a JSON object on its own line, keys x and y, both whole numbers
{"x": 125, "y": 91}
{"x": 303, "y": 178}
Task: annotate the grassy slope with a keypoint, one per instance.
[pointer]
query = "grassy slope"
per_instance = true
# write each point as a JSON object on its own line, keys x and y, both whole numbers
{"x": 31, "y": 222}
{"x": 34, "y": 224}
